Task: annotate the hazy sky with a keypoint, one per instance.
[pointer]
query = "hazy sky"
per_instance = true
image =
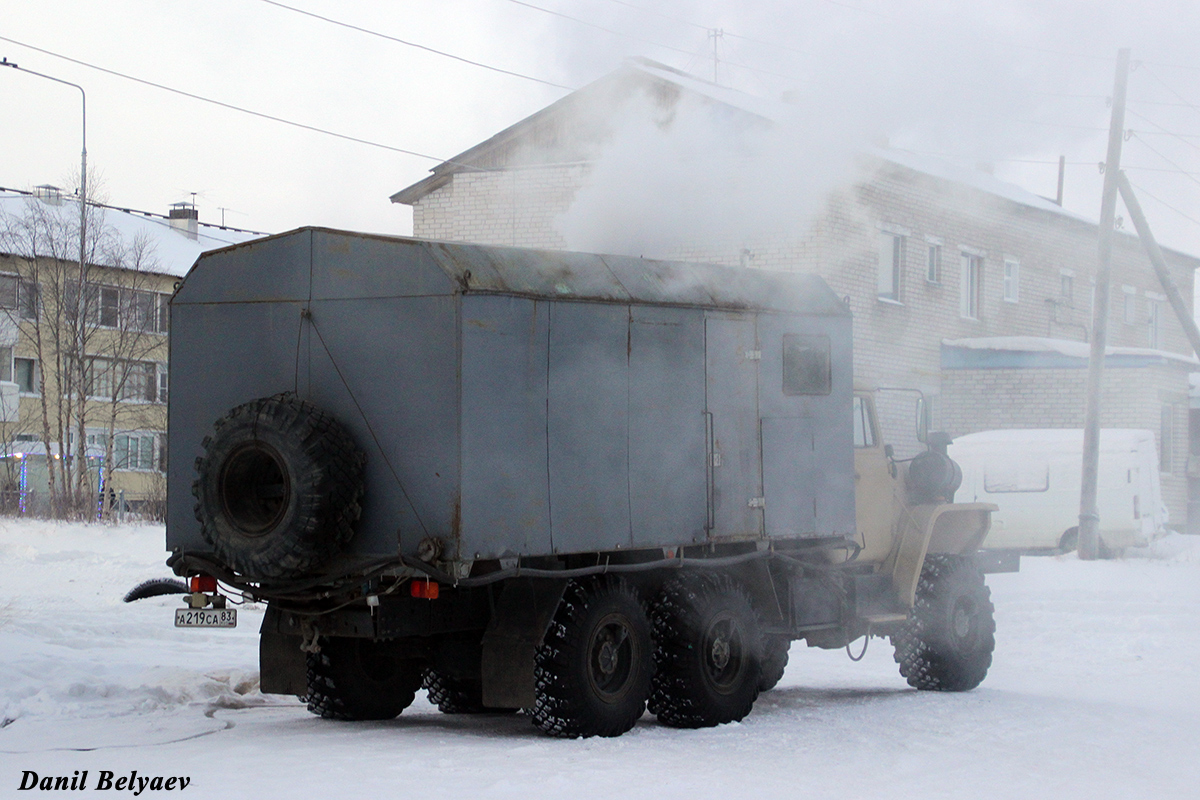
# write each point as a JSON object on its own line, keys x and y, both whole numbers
{"x": 1007, "y": 82}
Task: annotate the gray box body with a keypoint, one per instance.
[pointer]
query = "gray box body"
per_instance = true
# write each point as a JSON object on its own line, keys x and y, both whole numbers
{"x": 524, "y": 403}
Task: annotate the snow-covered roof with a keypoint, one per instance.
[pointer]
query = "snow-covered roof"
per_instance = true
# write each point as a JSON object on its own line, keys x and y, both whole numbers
{"x": 173, "y": 250}
{"x": 1064, "y": 347}
{"x": 767, "y": 110}
{"x": 1024, "y": 437}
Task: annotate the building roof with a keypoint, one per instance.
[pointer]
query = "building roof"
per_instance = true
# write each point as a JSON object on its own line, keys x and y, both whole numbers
{"x": 585, "y": 107}
{"x": 173, "y": 250}
{"x": 1008, "y": 352}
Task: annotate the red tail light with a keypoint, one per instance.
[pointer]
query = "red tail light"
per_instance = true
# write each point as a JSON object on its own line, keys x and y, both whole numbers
{"x": 425, "y": 589}
{"x": 203, "y": 583}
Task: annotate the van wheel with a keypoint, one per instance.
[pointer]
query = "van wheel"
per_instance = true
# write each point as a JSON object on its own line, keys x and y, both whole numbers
{"x": 359, "y": 679}
{"x": 592, "y": 672}
{"x": 708, "y": 653}
{"x": 278, "y": 488}
{"x": 947, "y": 643}
{"x": 1069, "y": 541}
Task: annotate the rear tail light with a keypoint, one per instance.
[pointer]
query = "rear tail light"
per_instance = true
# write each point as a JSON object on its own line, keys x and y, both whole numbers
{"x": 425, "y": 589}
{"x": 203, "y": 583}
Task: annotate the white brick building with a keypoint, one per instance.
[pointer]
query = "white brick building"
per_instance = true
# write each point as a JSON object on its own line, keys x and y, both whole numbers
{"x": 972, "y": 290}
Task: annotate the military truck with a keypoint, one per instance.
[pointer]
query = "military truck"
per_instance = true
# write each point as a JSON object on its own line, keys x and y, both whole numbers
{"x": 573, "y": 484}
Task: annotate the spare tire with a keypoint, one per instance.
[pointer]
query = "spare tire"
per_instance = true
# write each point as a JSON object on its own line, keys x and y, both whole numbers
{"x": 278, "y": 488}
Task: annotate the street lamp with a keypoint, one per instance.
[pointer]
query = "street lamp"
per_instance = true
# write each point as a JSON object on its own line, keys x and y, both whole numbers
{"x": 4, "y": 62}
{"x": 79, "y": 307}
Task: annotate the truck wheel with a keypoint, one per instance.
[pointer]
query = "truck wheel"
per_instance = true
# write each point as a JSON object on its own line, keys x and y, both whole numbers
{"x": 592, "y": 672}
{"x": 278, "y": 488}
{"x": 357, "y": 679}
{"x": 453, "y": 696}
{"x": 774, "y": 661}
{"x": 1069, "y": 540}
{"x": 947, "y": 644}
{"x": 708, "y": 653}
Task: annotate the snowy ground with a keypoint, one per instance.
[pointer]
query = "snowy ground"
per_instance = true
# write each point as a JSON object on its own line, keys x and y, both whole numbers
{"x": 1093, "y": 694}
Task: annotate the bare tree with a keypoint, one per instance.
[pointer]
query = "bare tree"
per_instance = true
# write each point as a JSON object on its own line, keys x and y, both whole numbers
{"x": 67, "y": 318}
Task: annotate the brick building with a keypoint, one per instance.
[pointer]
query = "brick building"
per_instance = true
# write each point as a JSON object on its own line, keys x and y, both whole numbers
{"x": 969, "y": 289}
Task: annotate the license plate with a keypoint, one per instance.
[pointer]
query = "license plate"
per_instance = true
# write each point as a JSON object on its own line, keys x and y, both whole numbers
{"x": 206, "y": 618}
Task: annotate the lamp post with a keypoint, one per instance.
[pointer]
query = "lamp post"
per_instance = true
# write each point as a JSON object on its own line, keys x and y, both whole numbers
{"x": 82, "y": 159}
{"x": 79, "y": 308}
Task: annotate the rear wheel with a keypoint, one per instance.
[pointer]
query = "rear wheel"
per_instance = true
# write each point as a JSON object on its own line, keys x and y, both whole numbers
{"x": 774, "y": 661}
{"x": 359, "y": 679}
{"x": 454, "y": 696}
{"x": 593, "y": 670}
{"x": 947, "y": 644}
{"x": 708, "y": 653}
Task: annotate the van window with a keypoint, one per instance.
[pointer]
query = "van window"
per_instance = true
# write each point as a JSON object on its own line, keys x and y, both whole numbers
{"x": 864, "y": 434}
{"x": 806, "y": 368}
{"x": 1007, "y": 478}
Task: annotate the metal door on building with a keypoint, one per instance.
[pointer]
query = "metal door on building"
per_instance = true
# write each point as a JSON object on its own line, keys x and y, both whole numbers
{"x": 732, "y": 359}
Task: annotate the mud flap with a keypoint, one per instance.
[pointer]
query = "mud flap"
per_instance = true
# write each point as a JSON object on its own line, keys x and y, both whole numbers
{"x": 282, "y": 667}
{"x": 518, "y": 627}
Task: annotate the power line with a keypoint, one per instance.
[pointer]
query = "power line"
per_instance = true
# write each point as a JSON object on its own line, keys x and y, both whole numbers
{"x": 640, "y": 39}
{"x": 1181, "y": 170}
{"x": 1165, "y": 203}
{"x": 600, "y": 27}
{"x": 407, "y": 43}
{"x": 1161, "y": 129}
{"x": 223, "y": 104}
{"x": 1178, "y": 96}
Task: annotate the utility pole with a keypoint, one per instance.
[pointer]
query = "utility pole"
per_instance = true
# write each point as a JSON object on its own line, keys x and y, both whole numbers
{"x": 1089, "y": 515}
{"x": 1159, "y": 263}
{"x": 715, "y": 34}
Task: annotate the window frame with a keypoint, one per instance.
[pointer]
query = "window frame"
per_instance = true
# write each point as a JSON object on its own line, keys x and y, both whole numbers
{"x": 1012, "y": 280}
{"x": 970, "y": 292}
{"x": 933, "y": 262}
{"x": 890, "y": 268}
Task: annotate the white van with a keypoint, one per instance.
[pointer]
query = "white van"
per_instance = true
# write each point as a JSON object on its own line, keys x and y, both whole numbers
{"x": 1034, "y": 477}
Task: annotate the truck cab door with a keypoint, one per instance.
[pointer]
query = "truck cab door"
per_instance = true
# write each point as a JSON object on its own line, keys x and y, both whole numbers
{"x": 876, "y": 491}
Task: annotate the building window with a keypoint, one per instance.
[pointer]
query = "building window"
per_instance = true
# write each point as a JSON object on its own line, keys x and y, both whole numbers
{"x": 806, "y": 364}
{"x": 1066, "y": 289}
{"x": 1130, "y": 309}
{"x": 129, "y": 309}
{"x": 933, "y": 264}
{"x": 162, "y": 383}
{"x": 891, "y": 263}
{"x": 1154, "y": 324}
{"x": 8, "y": 291}
{"x": 130, "y": 380}
{"x": 864, "y": 433}
{"x": 972, "y": 278}
{"x": 134, "y": 451}
{"x": 27, "y": 302}
{"x": 1012, "y": 280}
{"x": 25, "y": 373}
{"x": 1166, "y": 437}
